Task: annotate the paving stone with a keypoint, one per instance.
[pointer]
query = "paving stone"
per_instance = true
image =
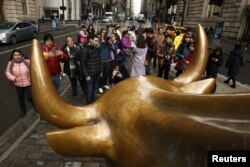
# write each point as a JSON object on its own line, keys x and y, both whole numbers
{"x": 47, "y": 149}
{"x": 19, "y": 155}
{"x": 37, "y": 136}
{"x": 36, "y": 163}
{"x": 91, "y": 164}
{"x": 17, "y": 163}
{"x": 42, "y": 142}
{"x": 72, "y": 164}
{"x": 52, "y": 156}
{"x": 55, "y": 163}
{"x": 35, "y": 155}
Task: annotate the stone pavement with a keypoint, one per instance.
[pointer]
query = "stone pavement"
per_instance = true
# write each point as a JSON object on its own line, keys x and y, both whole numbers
{"x": 31, "y": 149}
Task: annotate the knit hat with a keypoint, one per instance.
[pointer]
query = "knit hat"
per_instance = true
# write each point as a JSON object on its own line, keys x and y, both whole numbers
{"x": 48, "y": 36}
{"x": 187, "y": 35}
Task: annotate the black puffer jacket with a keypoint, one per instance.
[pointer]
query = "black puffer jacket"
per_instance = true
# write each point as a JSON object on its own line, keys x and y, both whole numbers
{"x": 90, "y": 61}
{"x": 213, "y": 66}
{"x": 234, "y": 62}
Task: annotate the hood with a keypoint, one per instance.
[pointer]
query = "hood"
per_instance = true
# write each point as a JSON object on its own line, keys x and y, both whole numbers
{"x": 4, "y": 31}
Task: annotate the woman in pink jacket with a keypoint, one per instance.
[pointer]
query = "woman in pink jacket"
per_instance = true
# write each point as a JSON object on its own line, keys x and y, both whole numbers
{"x": 126, "y": 44}
{"x": 18, "y": 72}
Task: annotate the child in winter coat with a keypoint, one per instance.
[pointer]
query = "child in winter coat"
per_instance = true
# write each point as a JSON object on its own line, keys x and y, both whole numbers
{"x": 18, "y": 72}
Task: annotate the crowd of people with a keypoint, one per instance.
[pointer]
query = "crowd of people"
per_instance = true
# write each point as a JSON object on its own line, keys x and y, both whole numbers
{"x": 99, "y": 60}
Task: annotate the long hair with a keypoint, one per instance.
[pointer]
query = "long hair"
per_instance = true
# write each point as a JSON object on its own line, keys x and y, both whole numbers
{"x": 12, "y": 54}
{"x": 141, "y": 42}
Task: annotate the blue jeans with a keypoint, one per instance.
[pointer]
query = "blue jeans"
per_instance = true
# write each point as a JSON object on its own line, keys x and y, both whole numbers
{"x": 56, "y": 81}
{"x": 90, "y": 88}
{"x": 73, "y": 82}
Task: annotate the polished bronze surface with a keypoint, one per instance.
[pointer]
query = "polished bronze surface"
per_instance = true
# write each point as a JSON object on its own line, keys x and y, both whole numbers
{"x": 146, "y": 121}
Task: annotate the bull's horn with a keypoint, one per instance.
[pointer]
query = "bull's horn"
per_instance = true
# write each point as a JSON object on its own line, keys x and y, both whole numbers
{"x": 199, "y": 61}
{"x": 93, "y": 140}
{"x": 47, "y": 101}
{"x": 199, "y": 87}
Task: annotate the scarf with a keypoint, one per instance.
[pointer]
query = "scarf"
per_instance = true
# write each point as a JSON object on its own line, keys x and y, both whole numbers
{"x": 13, "y": 61}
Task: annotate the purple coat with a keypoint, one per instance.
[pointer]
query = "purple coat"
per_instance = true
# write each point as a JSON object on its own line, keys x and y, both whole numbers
{"x": 118, "y": 52}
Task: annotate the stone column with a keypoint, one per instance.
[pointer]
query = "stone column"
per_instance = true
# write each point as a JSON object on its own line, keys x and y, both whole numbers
{"x": 78, "y": 10}
{"x": 73, "y": 10}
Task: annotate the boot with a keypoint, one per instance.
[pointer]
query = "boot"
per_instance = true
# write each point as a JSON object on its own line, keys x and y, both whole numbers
{"x": 233, "y": 86}
{"x": 226, "y": 81}
{"x": 23, "y": 112}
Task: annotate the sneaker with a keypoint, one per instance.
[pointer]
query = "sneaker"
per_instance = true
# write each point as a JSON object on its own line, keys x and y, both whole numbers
{"x": 100, "y": 90}
{"x": 106, "y": 87}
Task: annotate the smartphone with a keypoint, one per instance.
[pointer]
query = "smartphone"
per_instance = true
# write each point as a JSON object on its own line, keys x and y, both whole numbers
{"x": 53, "y": 50}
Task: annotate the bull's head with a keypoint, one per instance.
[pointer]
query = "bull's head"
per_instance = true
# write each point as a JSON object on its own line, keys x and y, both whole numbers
{"x": 146, "y": 121}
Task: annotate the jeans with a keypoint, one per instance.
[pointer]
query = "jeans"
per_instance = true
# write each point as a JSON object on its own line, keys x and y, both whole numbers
{"x": 22, "y": 94}
{"x": 90, "y": 88}
{"x": 105, "y": 74}
{"x": 73, "y": 82}
{"x": 165, "y": 68}
{"x": 148, "y": 66}
{"x": 56, "y": 81}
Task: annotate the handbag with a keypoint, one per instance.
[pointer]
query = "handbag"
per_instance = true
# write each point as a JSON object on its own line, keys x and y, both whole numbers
{"x": 145, "y": 62}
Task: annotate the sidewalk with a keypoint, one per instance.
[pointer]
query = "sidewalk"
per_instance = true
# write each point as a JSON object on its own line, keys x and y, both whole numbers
{"x": 46, "y": 27}
{"x": 227, "y": 46}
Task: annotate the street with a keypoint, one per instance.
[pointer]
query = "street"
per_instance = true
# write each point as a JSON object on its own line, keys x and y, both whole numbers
{"x": 9, "y": 104}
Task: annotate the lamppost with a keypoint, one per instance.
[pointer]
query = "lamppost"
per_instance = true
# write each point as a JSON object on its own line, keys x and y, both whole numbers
{"x": 183, "y": 12}
{"x": 103, "y": 9}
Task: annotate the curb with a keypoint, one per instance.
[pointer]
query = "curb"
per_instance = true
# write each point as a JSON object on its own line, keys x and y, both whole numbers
{"x": 60, "y": 28}
{"x": 10, "y": 139}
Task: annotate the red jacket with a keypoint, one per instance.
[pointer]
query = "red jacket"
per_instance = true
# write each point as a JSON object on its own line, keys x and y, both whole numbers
{"x": 53, "y": 63}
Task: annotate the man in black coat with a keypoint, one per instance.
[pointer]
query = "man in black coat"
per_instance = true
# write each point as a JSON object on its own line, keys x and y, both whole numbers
{"x": 90, "y": 61}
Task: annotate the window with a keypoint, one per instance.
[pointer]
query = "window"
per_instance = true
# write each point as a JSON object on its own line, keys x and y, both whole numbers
{"x": 24, "y": 5}
{"x": 19, "y": 25}
{"x": 213, "y": 10}
{"x": 26, "y": 24}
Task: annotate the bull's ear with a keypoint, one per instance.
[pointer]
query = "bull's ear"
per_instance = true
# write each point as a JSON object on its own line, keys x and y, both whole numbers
{"x": 199, "y": 61}
{"x": 47, "y": 101}
{"x": 200, "y": 87}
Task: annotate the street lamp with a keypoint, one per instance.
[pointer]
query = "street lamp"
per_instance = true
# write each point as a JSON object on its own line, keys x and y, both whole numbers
{"x": 183, "y": 12}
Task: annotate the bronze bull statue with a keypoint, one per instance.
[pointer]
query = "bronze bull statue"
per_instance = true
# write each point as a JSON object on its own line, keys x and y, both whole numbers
{"x": 146, "y": 121}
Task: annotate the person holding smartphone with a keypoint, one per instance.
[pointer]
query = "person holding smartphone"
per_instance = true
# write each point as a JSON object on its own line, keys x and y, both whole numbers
{"x": 117, "y": 73}
{"x": 53, "y": 55}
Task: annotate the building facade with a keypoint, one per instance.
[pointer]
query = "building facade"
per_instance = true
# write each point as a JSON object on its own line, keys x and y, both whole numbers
{"x": 13, "y": 10}
{"x": 231, "y": 16}
{"x": 119, "y": 6}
